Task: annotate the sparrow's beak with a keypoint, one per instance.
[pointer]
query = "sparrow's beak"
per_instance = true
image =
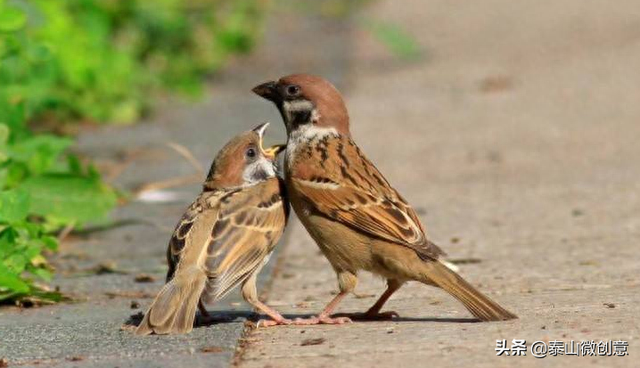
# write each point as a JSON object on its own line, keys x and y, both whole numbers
{"x": 272, "y": 151}
{"x": 267, "y": 90}
{"x": 260, "y": 129}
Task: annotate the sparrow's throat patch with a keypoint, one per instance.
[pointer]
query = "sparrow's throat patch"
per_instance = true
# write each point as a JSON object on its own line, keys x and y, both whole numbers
{"x": 298, "y": 112}
{"x": 258, "y": 171}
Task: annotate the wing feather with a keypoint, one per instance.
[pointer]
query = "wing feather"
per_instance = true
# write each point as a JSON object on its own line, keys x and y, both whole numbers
{"x": 192, "y": 231}
{"x": 355, "y": 193}
{"x": 249, "y": 226}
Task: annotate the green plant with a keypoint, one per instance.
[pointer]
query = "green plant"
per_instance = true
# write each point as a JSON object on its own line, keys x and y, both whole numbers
{"x": 40, "y": 193}
{"x": 99, "y": 60}
{"x": 108, "y": 59}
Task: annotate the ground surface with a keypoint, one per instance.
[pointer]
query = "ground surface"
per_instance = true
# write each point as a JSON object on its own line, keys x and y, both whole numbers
{"x": 515, "y": 137}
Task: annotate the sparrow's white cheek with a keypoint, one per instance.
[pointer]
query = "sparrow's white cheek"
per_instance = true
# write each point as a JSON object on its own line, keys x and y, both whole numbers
{"x": 260, "y": 170}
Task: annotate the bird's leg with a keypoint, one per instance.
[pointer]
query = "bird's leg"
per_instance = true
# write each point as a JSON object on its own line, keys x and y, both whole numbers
{"x": 374, "y": 312}
{"x": 347, "y": 282}
{"x": 325, "y": 315}
{"x": 250, "y": 294}
{"x": 276, "y": 318}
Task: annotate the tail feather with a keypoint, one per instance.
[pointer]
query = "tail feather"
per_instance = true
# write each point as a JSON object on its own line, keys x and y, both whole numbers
{"x": 477, "y": 303}
{"x": 174, "y": 309}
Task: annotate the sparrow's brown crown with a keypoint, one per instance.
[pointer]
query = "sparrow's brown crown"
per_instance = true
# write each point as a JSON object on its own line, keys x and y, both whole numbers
{"x": 243, "y": 161}
{"x": 307, "y": 99}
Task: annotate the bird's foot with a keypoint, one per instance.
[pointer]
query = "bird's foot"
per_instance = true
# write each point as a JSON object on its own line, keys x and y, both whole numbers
{"x": 273, "y": 322}
{"x": 374, "y": 316}
{"x": 322, "y": 320}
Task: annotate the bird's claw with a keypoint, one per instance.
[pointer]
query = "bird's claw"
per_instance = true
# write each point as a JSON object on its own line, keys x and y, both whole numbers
{"x": 322, "y": 320}
{"x": 272, "y": 322}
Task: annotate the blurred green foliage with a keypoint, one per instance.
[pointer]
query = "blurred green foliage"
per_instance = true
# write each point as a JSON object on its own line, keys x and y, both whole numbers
{"x": 399, "y": 42}
{"x": 105, "y": 60}
{"x": 40, "y": 192}
{"x": 63, "y": 61}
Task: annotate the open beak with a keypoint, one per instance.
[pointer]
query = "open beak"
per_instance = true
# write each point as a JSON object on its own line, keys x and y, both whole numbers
{"x": 272, "y": 151}
{"x": 267, "y": 90}
{"x": 260, "y": 129}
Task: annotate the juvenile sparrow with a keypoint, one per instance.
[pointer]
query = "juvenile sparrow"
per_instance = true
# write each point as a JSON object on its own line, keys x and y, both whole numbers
{"x": 357, "y": 219}
{"x": 224, "y": 238}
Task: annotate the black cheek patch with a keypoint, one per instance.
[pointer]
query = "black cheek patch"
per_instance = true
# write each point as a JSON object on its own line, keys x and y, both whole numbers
{"x": 300, "y": 117}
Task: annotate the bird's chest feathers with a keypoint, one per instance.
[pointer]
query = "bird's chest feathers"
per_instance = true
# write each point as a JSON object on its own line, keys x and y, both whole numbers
{"x": 308, "y": 149}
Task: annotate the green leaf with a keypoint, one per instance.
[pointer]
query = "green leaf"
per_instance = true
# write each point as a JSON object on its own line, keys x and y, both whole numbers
{"x": 14, "y": 205}
{"x": 16, "y": 262}
{"x": 50, "y": 242}
{"x": 11, "y": 19}
{"x": 75, "y": 166}
{"x": 4, "y": 137}
{"x": 15, "y": 174}
{"x": 4, "y": 134}
{"x": 68, "y": 198}
{"x": 39, "y": 152}
{"x": 42, "y": 273}
{"x": 11, "y": 281}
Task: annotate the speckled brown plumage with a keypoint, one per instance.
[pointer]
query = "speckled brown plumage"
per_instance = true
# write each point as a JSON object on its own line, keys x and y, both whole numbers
{"x": 223, "y": 239}
{"x": 359, "y": 221}
{"x": 361, "y": 197}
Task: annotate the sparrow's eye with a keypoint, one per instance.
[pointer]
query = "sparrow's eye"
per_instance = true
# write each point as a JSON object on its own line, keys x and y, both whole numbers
{"x": 251, "y": 152}
{"x": 293, "y": 90}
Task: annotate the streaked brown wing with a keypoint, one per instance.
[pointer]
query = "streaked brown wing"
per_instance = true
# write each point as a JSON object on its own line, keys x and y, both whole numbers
{"x": 355, "y": 193}
{"x": 249, "y": 225}
{"x": 193, "y": 230}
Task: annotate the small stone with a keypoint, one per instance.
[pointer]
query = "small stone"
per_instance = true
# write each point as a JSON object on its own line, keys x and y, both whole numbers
{"x": 212, "y": 349}
{"x": 106, "y": 267}
{"x": 316, "y": 341}
{"x": 144, "y": 278}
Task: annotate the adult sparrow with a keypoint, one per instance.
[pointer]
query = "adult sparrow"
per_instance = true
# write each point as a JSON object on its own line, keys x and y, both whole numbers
{"x": 357, "y": 219}
{"x": 224, "y": 238}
